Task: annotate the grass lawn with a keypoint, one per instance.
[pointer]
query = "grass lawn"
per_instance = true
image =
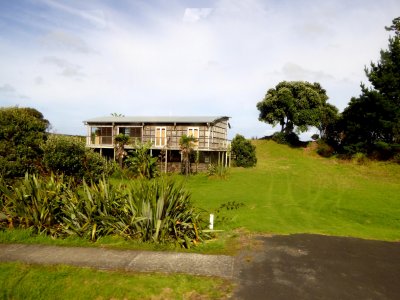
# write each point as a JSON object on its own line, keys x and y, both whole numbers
{"x": 289, "y": 191}
{"x": 21, "y": 281}
{"x": 296, "y": 191}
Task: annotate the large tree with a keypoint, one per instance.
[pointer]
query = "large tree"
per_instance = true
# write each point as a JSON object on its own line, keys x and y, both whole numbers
{"x": 22, "y": 132}
{"x": 295, "y": 105}
{"x": 373, "y": 118}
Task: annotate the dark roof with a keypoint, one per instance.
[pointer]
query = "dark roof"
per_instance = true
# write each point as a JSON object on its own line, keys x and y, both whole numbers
{"x": 159, "y": 119}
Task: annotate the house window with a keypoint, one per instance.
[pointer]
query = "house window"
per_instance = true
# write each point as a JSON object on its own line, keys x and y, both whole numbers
{"x": 161, "y": 136}
{"x": 135, "y": 133}
{"x": 101, "y": 135}
{"x": 194, "y": 132}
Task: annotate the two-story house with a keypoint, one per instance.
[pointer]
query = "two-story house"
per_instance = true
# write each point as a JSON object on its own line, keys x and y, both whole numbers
{"x": 211, "y": 133}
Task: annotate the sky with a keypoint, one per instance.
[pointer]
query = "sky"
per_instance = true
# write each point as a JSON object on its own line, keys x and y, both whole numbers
{"x": 75, "y": 60}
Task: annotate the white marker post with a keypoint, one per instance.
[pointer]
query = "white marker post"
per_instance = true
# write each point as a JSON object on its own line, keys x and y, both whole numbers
{"x": 211, "y": 222}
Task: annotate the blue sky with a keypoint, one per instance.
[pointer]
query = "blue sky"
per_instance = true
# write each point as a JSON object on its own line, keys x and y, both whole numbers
{"x": 75, "y": 60}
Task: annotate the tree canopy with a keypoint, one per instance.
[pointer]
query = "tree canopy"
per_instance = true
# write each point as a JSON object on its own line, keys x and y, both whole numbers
{"x": 373, "y": 119}
{"x": 22, "y": 132}
{"x": 296, "y": 105}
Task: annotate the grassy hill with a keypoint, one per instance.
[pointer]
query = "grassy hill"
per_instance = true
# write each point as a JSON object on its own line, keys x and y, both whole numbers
{"x": 296, "y": 191}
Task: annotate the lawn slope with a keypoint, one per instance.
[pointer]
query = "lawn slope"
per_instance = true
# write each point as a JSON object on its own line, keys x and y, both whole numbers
{"x": 296, "y": 191}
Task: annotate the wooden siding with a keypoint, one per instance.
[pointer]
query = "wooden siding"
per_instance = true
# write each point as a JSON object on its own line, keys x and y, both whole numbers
{"x": 211, "y": 138}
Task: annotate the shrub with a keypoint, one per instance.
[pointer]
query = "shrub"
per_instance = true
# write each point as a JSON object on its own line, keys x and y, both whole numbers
{"x": 63, "y": 154}
{"x": 141, "y": 163}
{"x": 324, "y": 149}
{"x": 383, "y": 150}
{"x": 243, "y": 151}
{"x": 218, "y": 170}
{"x": 92, "y": 213}
{"x": 396, "y": 158}
{"x": 149, "y": 210}
{"x": 360, "y": 158}
{"x": 35, "y": 203}
{"x": 68, "y": 155}
{"x": 279, "y": 137}
{"x": 315, "y": 136}
{"x": 22, "y": 131}
{"x": 166, "y": 212}
{"x": 95, "y": 166}
{"x": 283, "y": 138}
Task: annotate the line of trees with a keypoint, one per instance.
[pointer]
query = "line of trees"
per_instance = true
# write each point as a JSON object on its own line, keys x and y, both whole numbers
{"x": 27, "y": 147}
{"x": 370, "y": 124}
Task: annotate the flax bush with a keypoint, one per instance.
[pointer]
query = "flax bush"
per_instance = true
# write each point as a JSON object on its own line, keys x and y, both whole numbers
{"x": 156, "y": 210}
{"x": 35, "y": 203}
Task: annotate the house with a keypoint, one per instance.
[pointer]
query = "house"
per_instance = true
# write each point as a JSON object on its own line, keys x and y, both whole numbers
{"x": 211, "y": 133}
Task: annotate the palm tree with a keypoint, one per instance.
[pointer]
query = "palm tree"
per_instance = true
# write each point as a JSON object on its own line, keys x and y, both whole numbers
{"x": 120, "y": 140}
{"x": 186, "y": 144}
{"x": 117, "y": 115}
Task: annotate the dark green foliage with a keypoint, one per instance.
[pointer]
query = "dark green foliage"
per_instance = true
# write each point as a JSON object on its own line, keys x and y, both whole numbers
{"x": 96, "y": 166}
{"x": 296, "y": 105}
{"x": 65, "y": 155}
{"x": 140, "y": 161}
{"x": 68, "y": 155}
{"x": 22, "y": 131}
{"x": 371, "y": 122}
{"x": 284, "y": 138}
{"x": 149, "y": 210}
{"x": 243, "y": 152}
{"x": 315, "y": 137}
{"x": 329, "y": 116}
{"x": 166, "y": 212}
{"x": 92, "y": 213}
{"x": 324, "y": 149}
{"x": 366, "y": 121}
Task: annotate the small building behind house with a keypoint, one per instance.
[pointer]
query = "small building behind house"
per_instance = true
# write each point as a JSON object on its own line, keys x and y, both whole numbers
{"x": 164, "y": 132}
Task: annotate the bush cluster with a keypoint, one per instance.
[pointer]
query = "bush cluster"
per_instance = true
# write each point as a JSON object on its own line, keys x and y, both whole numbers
{"x": 324, "y": 149}
{"x": 149, "y": 210}
{"x": 243, "y": 151}
{"x": 284, "y": 138}
{"x": 25, "y": 146}
{"x": 69, "y": 156}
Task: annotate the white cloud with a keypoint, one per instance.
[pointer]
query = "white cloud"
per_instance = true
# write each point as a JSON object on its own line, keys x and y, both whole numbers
{"x": 62, "y": 40}
{"x": 38, "y": 80}
{"x": 66, "y": 68}
{"x": 293, "y": 71}
{"x": 193, "y": 15}
{"x": 94, "y": 16}
{"x": 7, "y": 89}
{"x": 137, "y": 58}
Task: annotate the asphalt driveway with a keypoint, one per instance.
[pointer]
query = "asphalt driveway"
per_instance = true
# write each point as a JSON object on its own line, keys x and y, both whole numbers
{"x": 319, "y": 267}
{"x": 279, "y": 267}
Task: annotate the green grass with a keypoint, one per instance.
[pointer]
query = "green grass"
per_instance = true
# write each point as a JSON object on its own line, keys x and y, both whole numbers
{"x": 296, "y": 191}
{"x": 21, "y": 281}
{"x": 289, "y": 191}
